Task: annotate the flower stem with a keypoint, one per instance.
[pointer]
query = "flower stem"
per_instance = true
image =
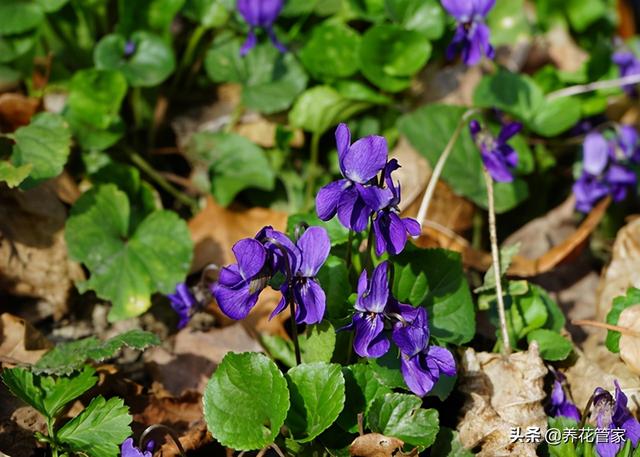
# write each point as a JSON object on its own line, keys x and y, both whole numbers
{"x": 591, "y": 87}
{"x": 54, "y": 447}
{"x": 495, "y": 255}
{"x": 187, "y": 57}
{"x": 313, "y": 165}
{"x": 349, "y": 249}
{"x": 145, "y": 166}
{"x": 294, "y": 327}
{"x": 437, "y": 170}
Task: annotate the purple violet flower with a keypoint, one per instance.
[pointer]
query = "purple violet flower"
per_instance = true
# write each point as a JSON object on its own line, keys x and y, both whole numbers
{"x": 239, "y": 285}
{"x": 260, "y": 14}
{"x": 472, "y": 34}
{"x": 628, "y": 143}
{"x": 128, "y": 449}
{"x": 129, "y": 49}
{"x": 498, "y": 157}
{"x": 602, "y": 174}
{"x": 421, "y": 364}
{"x": 612, "y": 414}
{"x": 183, "y": 303}
{"x": 628, "y": 65}
{"x": 305, "y": 259}
{"x": 389, "y": 228}
{"x": 360, "y": 163}
{"x": 560, "y": 405}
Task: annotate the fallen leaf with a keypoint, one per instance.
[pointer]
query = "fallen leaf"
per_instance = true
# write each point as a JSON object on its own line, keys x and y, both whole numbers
{"x": 33, "y": 252}
{"x": 16, "y": 110}
{"x": 20, "y": 342}
{"x": 629, "y": 342}
{"x": 376, "y": 445}
{"x": 18, "y": 423}
{"x": 195, "y": 356}
{"x": 565, "y": 54}
{"x": 453, "y": 85}
{"x": 504, "y": 392}
{"x": 623, "y": 270}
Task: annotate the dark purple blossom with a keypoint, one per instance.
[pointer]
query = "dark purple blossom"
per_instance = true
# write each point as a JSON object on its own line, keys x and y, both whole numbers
{"x": 628, "y": 65}
{"x": 472, "y": 36}
{"x": 304, "y": 260}
{"x": 260, "y": 14}
{"x": 128, "y": 449}
{"x": 183, "y": 303}
{"x": 613, "y": 413}
{"x": 389, "y": 228}
{"x": 239, "y": 285}
{"x": 360, "y": 164}
{"x": 499, "y": 158}
{"x": 560, "y": 405}
{"x": 603, "y": 174}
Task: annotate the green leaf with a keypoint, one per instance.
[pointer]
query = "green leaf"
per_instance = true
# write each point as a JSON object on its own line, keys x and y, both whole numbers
{"x": 322, "y": 107}
{"x": 294, "y": 8}
{"x": 337, "y": 232}
{"x": 93, "y": 107}
{"x": 235, "y": 164}
{"x": 507, "y": 253}
{"x": 583, "y": 13}
{"x": 360, "y": 92}
{"x": 318, "y": 343}
{"x": 553, "y": 346}
{"x": 429, "y": 130}
{"x": 556, "y": 116}
{"x": 246, "y": 401}
{"x": 14, "y": 46}
{"x": 19, "y": 16}
{"x": 271, "y": 80}
{"x": 44, "y": 144}
{"x": 386, "y": 369}
{"x": 433, "y": 278}
{"x": 209, "y": 13}
{"x": 152, "y": 15}
{"x": 426, "y": 17}
{"x": 332, "y": 51}
{"x": 317, "y": 397}
{"x": 508, "y": 22}
{"x": 66, "y": 358}
{"x": 405, "y": 53}
{"x": 126, "y": 268}
{"x": 362, "y": 387}
{"x": 448, "y": 445}
{"x": 524, "y": 313}
{"x": 400, "y": 416}
{"x": 22, "y": 383}
{"x": 51, "y": 6}
{"x": 279, "y": 348}
{"x": 151, "y": 63}
{"x": 12, "y": 175}
{"x": 510, "y": 92}
{"x": 334, "y": 279}
{"x": 619, "y": 304}
{"x": 99, "y": 430}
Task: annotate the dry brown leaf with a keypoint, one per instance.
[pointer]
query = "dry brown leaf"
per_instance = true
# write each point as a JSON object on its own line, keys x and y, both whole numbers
{"x": 17, "y": 425}
{"x": 565, "y": 54}
{"x": 16, "y": 110}
{"x": 376, "y": 445}
{"x": 623, "y": 270}
{"x": 504, "y": 392}
{"x": 453, "y": 84}
{"x": 19, "y": 341}
{"x": 630, "y": 342}
{"x": 195, "y": 356}
{"x": 33, "y": 252}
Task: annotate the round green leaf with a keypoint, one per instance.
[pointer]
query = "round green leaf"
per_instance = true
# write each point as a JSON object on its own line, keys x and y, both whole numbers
{"x": 508, "y": 22}
{"x": 332, "y": 51}
{"x": 209, "y": 13}
{"x": 151, "y": 63}
{"x": 553, "y": 346}
{"x": 19, "y": 16}
{"x": 12, "y": 175}
{"x": 246, "y": 401}
{"x": 424, "y": 16}
{"x": 405, "y": 52}
{"x": 51, "y": 6}
{"x": 556, "y": 116}
{"x": 126, "y": 268}
{"x": 14, "y": 46}
{"x": 317, "y": 397}
{"x": 44, "y": 144}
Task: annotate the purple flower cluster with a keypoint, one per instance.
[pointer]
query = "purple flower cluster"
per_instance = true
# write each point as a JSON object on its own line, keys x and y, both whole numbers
{"x": 628, "y": 65}
{"x": 260, "y": 14}
{"x": 613, "y": 413}
{"x": 260, "y": 258}
{"x": 421, "y": 363}
{"x": 605, "y": 168}
{"x": 128, "y": 449}
{"x": 183, "y": 303}
{"x": 560, "y": 405}
{"x": 499, "y": 158}
{"x": 360, "y": 196}
{"x": 472, "y": 37}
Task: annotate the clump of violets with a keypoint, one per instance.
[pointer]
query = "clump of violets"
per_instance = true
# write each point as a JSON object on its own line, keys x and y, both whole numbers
{"x": 260, "y": 258}
{"x": 560, "y": 404}
{"x": 378, "y": 313}
{"x": 498, "y": 156}
{"x": 183, "y": 303}
{"x": 128, "y": 449}
{"x": 605, "y": 169}
{"x": 367, "y": 194}
{"x": 260, "y": 14}
{"x": 613, "y": 413}
{"x": 628, "y": 65}
{"x": 472, "y": 36}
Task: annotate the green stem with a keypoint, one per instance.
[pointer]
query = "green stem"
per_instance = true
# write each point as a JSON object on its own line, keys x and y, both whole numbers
{"x": 189, "y": 53}
{"x": 236, "y": 115}
{"x": 294, "y": 327}
{"x": 145, "y": 166}
{"x": 370, "y": 245}
{"x": 54, "y": 447}
{"x": 135, "y": 99}
{"x": 313, "y": 166}
{"x": 349, "y": 249}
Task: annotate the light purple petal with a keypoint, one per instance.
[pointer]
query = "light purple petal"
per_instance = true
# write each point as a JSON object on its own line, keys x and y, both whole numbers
{"x": 417, "y": 377}
{"x": 412, "y": 337}
{"x": 283, "y": 303}
{"x": 260, "y": 13}
{"x": 496, "y": 167}
{"x": 474, "y": 128}
{"x": 462, "y": 10}
{"x": 251, "y": 256}
{"x": 236, "y": 302}
{"x": 249, "y": 43}
{"x": 596, "y": 153}
{"x": 310, "y": 300}
{"x": 328, "y": 198}
{"x": 343, "y": 141}
{"x": 411, "y": 226}
{"x": 617, "y": 174}
{"x": 375, "y": 197}
{"x": 369, "y": 340}
{"x": 477, "y": 44}
{"x": 127, "y": 449}
{"x": 482, "y": 7}
{"x": 365, "y": 158}
{"x": 284, "y": 243}
{"x": 458, "y": 42}
{"x": 353, "y": 212}
{"x": 274, "y": 40}
{"x": 443, "y": 359}
{"x": 375, "y": 298}
{"x": 315, "y": 246}
{"x": 608, "y": 449}
{"x": 628, "y": 139}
